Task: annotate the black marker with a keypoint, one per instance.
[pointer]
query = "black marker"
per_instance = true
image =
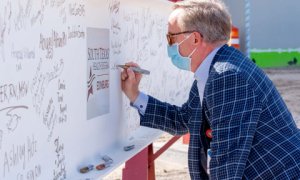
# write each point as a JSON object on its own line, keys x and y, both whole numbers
{"x": 128, "y": 148}
{"x": 135, "y": 69}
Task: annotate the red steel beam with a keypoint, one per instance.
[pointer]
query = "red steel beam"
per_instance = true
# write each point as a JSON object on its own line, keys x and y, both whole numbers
{"x": 164, "y": 148}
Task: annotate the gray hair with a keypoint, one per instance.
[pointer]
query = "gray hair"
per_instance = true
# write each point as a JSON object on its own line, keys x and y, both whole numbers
{"x": 208, "y": 17}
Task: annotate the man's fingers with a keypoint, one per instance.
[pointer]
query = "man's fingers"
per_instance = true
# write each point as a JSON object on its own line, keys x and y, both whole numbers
{"x": 124, "y": 75}
{"x": 138, "y": 77}
{"x": 131, "y": 75}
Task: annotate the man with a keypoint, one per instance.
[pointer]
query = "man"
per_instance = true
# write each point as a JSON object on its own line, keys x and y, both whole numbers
{"x": 236, "y": 117}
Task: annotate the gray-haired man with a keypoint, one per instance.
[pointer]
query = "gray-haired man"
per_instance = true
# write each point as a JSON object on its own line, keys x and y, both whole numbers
{"x": 253, "y": 133}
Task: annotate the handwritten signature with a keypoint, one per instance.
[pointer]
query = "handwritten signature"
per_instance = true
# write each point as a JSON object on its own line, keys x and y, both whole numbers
{"x": 13, "y": 117}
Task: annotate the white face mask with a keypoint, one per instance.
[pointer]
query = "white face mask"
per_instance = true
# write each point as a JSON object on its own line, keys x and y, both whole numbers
{"x": 178, "y": 60}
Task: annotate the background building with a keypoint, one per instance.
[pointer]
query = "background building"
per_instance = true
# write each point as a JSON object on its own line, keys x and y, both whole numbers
{"x": 269, "y": 30}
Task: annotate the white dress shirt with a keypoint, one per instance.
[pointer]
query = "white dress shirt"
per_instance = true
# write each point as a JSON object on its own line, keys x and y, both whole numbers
{"x": 200, "y": 75}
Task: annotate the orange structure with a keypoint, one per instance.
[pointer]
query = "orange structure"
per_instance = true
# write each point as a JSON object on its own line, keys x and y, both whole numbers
{"x": 234, "y": 38}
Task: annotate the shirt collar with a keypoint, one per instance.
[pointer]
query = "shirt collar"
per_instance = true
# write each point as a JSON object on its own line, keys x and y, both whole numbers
{"x": 201, "y": 74}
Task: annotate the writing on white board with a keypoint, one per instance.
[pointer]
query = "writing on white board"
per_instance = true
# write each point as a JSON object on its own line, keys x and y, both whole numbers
{"x": 56, "y": 40}
{"x": 60, "y": 162}
{"x": 9, "y": 92}
{"x": 19, "y": 154}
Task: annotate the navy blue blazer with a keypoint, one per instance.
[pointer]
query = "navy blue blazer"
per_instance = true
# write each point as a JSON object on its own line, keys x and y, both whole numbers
{"x": 254, "y": 134}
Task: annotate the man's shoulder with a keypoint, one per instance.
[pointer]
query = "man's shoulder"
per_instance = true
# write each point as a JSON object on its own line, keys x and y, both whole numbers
{"x": 229, "y": 60}
{"x": 231, "y": 65}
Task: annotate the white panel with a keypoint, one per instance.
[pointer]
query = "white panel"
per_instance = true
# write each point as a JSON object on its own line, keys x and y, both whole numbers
{"x": 44, "y": 128}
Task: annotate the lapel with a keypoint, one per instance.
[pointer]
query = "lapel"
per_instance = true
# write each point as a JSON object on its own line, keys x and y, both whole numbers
{"x": 194, "y": 98}
{"x": 220, "y": 55}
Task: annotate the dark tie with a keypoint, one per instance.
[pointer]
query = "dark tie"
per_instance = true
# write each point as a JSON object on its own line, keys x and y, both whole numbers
{"x": 205, "y": 127}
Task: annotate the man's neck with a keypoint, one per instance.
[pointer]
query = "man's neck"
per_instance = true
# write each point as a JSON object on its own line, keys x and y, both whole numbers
{"x": 204, "y": 52}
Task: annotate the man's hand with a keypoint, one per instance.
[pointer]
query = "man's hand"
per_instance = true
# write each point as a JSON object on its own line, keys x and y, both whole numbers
{"x": 130, "y": 82}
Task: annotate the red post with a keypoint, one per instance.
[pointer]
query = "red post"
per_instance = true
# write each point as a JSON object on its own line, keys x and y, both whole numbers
{"x": 151, "y": 167}
{"x": 186, "y": 138}
{"x": 142, "y": 166}
{"x": 139, "y": 167}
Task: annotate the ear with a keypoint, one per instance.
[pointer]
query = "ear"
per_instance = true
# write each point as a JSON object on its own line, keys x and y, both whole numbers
{"x": 198, "y": 38}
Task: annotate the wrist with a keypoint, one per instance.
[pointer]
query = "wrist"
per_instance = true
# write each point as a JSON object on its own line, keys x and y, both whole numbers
{"x": 134, "y": 96}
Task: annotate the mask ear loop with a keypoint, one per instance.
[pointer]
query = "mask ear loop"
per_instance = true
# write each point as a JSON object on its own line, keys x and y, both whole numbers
{"x": 192, "y": 52}
{"x": 184, "y": 39}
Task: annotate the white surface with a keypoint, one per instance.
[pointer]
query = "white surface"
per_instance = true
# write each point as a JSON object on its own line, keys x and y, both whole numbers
{"x": 140, "y": 138}
{"x": 44, "y": 131}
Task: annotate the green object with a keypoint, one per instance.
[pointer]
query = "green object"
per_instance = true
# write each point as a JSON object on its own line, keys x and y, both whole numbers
{"x": 276, "y": 59}
{"x": 86, "y": 169}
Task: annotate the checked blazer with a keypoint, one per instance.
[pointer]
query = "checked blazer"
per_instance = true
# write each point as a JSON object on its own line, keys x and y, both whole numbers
{"x": 254, "y": 134}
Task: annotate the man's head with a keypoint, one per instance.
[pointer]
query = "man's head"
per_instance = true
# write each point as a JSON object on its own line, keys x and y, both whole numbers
{"x": 205, "y": 24}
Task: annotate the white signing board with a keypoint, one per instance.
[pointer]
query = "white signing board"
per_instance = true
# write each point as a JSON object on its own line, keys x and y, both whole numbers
{"x": 61, "y": 105}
